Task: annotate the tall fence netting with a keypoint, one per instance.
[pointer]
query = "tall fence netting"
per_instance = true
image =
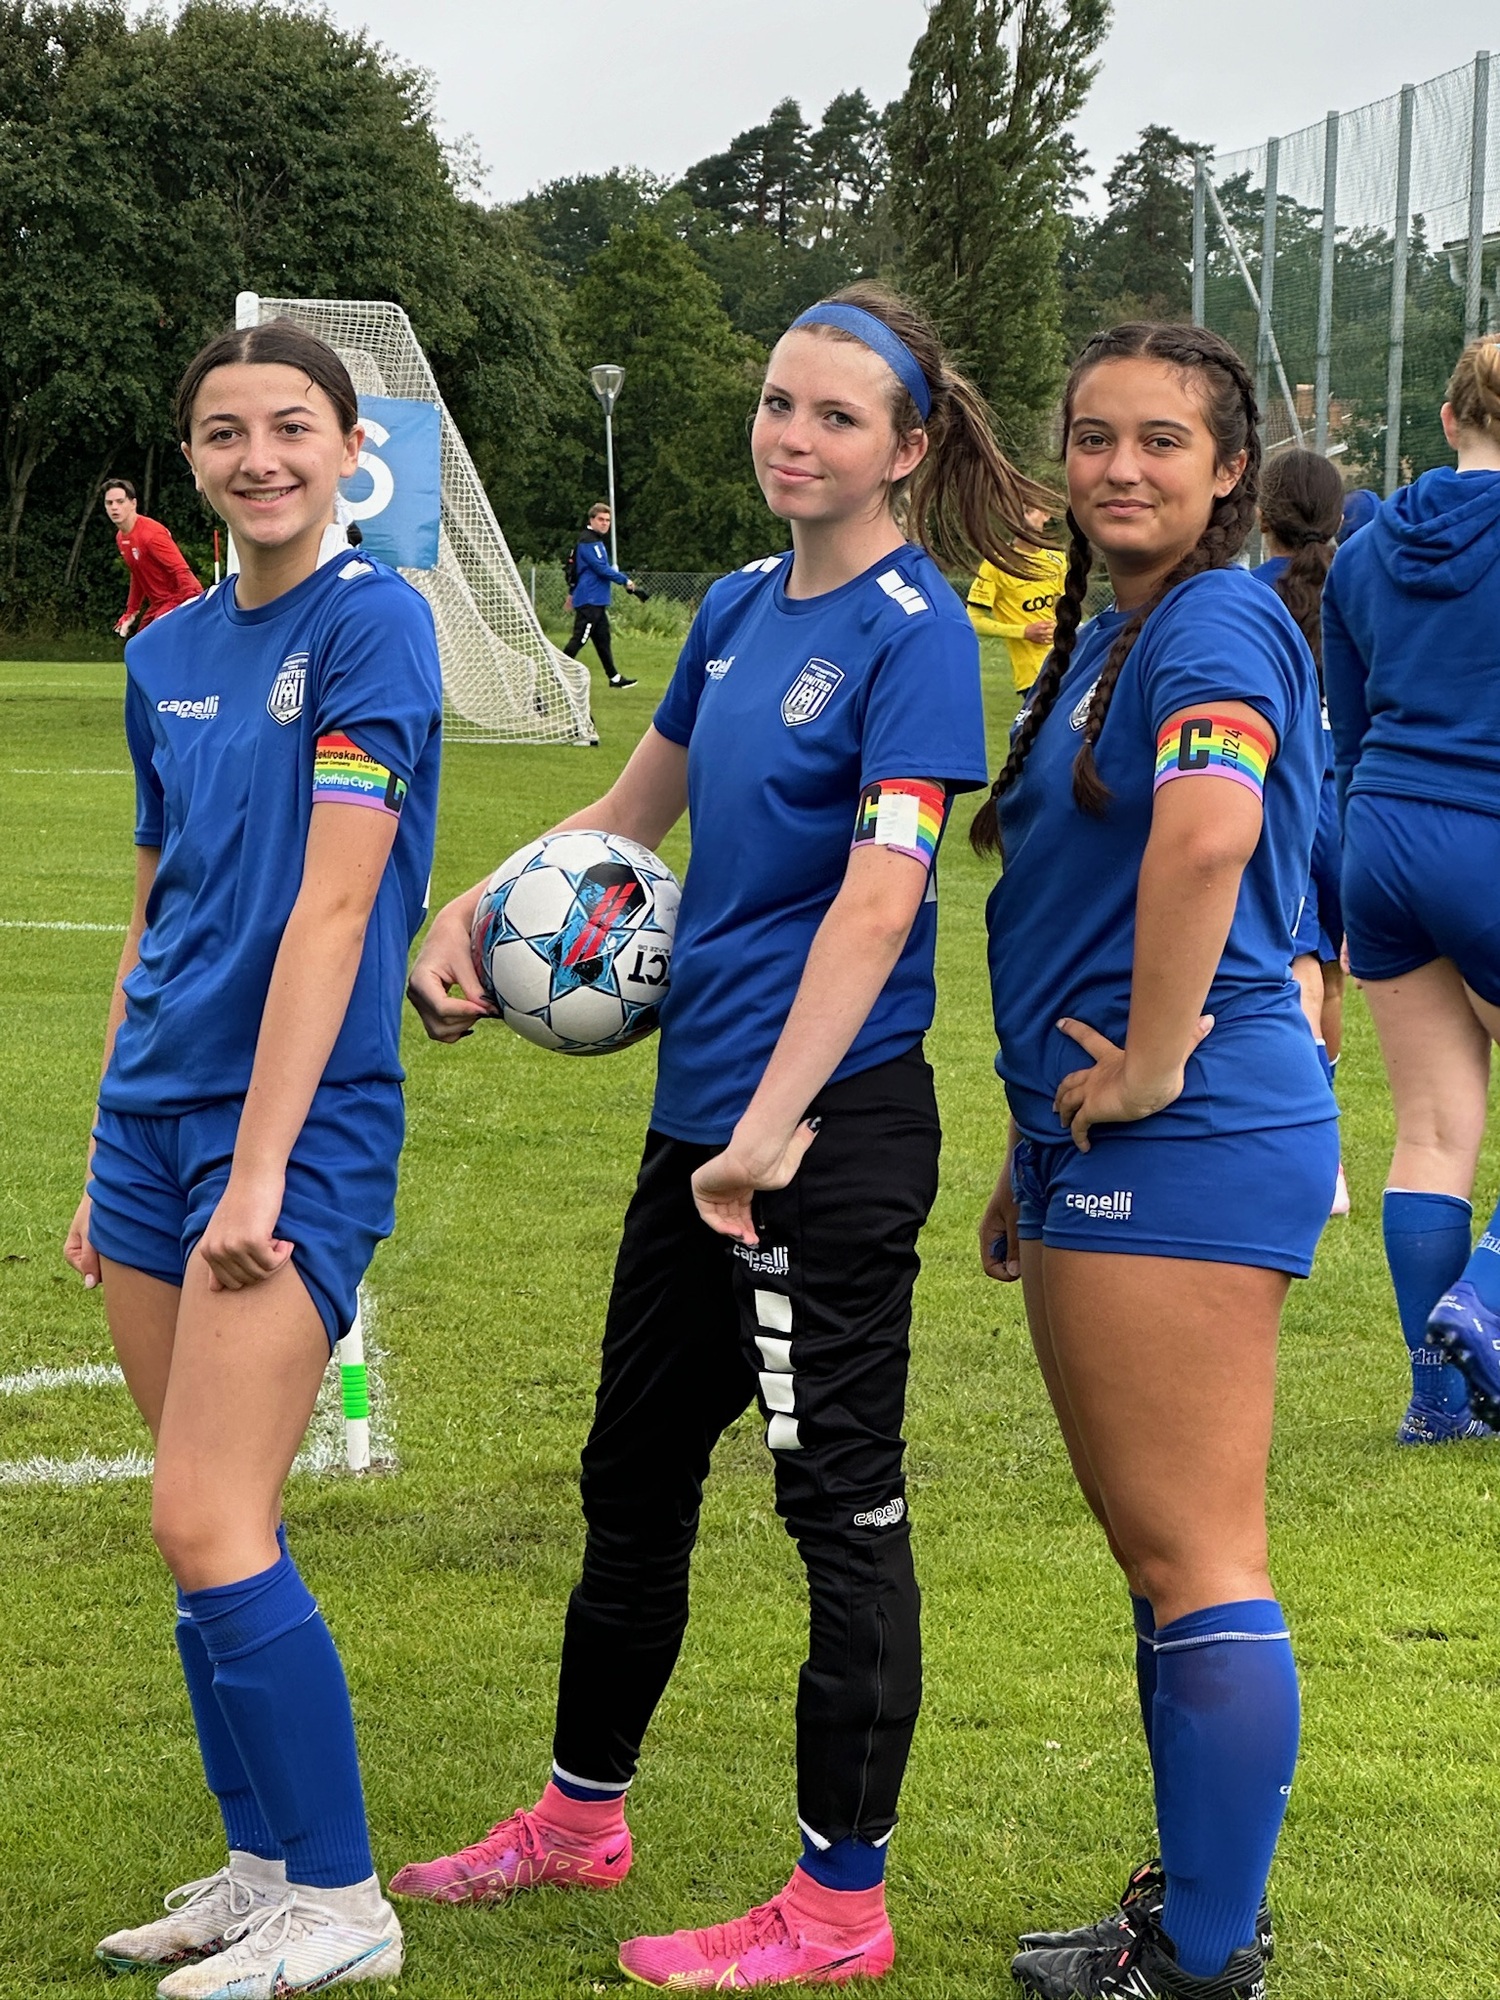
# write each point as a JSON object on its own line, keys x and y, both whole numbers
{"x": 503, "y": 679}
{"x": 1351, "y": 287}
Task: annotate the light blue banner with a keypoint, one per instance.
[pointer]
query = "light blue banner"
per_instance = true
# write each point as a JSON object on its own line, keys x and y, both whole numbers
{"x": 396, "y": 494}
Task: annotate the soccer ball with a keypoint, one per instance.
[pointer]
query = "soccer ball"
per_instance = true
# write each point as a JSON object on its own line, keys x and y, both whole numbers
{"x": 572, "y": 940}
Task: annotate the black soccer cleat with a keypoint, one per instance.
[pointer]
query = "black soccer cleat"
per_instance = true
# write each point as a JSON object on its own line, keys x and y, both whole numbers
{"x": 1145, "y": 1891}
{"x": 1140, "y": 1965}
{"x": 620, "y": 681}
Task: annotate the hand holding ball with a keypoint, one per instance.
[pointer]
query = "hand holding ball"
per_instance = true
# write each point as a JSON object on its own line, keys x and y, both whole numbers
{"x": 572, "y": 940}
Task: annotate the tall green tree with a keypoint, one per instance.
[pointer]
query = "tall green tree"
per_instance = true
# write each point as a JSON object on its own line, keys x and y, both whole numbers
{"x": 688, "y": 499}
{"x": 148, "y": 171}
{"x": 1136, "y": 260}
{"x": 976, "y": 171}
{"x": 571, "y": 218}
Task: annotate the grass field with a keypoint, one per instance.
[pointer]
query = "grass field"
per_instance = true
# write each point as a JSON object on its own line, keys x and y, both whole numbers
{"x": 445, "y": 1580}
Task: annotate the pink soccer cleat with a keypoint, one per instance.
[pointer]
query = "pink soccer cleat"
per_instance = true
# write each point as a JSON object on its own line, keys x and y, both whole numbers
{"x": 555, "y": 1842}
{"x": 808, "y": 1934}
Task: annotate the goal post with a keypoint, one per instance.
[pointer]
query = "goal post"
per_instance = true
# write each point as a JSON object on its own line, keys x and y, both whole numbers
{"x": 503, "y": 679}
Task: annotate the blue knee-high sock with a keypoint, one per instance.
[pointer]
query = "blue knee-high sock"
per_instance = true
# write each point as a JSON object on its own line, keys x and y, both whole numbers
{"x": 1483, "y": 1267}
{"x": 1145, "y": 1660}
{"x": 245, "y": 1825}
{"x": 283, "y": 1694}
{"x": 845, "y": 1864}
{"x": 1226, "y": 1722}
{"x": 1427, "y": 1248}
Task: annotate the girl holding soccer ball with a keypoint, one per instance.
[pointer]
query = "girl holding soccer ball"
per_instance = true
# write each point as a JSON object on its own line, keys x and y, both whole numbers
{"x": 825, "y": 708}
{"x": 1173, "y": 1142}
{"x": 284, "y": 731}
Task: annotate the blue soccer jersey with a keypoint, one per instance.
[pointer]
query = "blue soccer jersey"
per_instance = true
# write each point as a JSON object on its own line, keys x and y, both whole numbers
{"x": 1062, "y": 917}
{"x": 237, "y": 722}
{"x": 788, "y": 708}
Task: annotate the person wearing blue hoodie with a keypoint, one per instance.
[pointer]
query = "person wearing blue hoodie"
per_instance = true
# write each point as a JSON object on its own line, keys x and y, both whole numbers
{"x": 1410, "y": 616}
{"x": 590, "y": 594}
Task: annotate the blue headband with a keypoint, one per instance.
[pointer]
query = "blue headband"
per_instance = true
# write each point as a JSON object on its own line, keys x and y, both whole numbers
{"x": 878, "y": 337}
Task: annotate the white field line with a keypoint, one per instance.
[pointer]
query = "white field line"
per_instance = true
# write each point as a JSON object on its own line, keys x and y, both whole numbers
{"x": 90, "y": 1375}
{"x": 68, "y": 771}
{"x": 322, "y": 1449}
{"x": 35, "y": 924}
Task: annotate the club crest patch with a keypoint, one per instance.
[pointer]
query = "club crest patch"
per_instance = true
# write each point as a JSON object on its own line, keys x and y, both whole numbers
{"x": 1080, "y": 714}
{"x": 289, "y": 689}
{"x": 810, "y": 693}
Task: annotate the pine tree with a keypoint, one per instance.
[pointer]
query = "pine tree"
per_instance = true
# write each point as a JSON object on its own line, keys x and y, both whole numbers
{"x": 976, "y": 171}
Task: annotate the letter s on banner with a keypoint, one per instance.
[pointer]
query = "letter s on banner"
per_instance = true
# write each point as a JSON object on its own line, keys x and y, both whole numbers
{"x": 396, "y": 494}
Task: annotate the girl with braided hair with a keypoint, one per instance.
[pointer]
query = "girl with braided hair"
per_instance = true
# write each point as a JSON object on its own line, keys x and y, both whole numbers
{"x": 1301, "y": 509}
{"x": 1156, "y": 813}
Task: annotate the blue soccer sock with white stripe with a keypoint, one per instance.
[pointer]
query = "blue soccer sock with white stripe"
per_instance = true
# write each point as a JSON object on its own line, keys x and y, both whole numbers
{"x": 281, "y": 1688}
{"x": 1225, "y": 1724}
{"x": 1427, "y": 1249}
{"x": 844, "y": 1864}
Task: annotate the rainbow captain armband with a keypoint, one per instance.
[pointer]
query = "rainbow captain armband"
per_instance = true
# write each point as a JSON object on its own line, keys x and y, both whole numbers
{"x": 906, "y": 814}
{"x": 345, "y": 775}
{"x": 1219, "y": 746}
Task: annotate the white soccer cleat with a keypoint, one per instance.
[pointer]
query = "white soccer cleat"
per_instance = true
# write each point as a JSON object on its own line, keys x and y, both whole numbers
{"x": 298, "y": 1946}
{"x": 200, "y": 1917}
{"x": 1340, "y": 1194}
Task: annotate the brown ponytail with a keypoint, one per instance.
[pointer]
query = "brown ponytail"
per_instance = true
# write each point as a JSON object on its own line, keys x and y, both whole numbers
{"x": 965, "y": 503}
{"x": 1302, "y": 504}
{"x": 1232, "y": 417}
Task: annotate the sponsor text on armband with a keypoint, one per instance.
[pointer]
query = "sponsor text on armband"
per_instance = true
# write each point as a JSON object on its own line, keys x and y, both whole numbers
{"x": 345, "y": 775}
{"x": 904, "y": 813}
{"x": 1218, "y": 746}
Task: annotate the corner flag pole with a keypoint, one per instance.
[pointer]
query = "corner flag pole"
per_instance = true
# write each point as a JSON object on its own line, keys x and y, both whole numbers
{"x": 354, "y": 1385}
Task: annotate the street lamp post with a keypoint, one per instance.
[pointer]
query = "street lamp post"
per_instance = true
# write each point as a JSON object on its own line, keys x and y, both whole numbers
{"x": 607, "y": 379}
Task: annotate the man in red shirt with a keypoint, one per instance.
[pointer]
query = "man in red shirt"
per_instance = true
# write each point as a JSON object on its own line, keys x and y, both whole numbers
{"x": 160, "y": 579}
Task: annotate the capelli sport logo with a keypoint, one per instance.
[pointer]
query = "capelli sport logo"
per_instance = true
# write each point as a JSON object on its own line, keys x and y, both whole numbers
{"x": 888, "y": 1516}
{"x": 1103, "y": 1207}
{"x": 191, "y": 711}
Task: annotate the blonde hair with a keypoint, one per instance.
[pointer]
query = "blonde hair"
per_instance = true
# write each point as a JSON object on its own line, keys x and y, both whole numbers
{"x": 1474, "y": 387}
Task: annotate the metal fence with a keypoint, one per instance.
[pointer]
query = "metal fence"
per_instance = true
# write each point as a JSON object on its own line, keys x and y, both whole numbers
{"x": 674, "y": 596}
{"x": 1350, "y": 261}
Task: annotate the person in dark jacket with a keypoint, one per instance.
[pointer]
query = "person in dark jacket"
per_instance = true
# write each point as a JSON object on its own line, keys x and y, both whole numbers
{"x": 591, "y": 593}
{"x": 1410, "y": 614}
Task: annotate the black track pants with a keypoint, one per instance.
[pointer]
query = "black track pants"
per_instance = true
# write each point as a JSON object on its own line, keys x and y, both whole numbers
{"x": 815, "y": 1323}
{"x": 591, "y": 621}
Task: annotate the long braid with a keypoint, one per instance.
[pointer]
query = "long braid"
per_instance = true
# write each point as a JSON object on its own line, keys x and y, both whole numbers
{"x": 984, "y": 832}
{"x": 1233, "y": 419}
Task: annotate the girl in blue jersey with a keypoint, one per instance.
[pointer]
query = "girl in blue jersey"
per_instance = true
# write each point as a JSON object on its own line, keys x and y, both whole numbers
{"x": 1173, "y": 1145}
{"x": 284, "y": 731}
{"x": 1300, "y": 511}
{"x": 1410, "y": 618}
{"x": 825, "y": 707}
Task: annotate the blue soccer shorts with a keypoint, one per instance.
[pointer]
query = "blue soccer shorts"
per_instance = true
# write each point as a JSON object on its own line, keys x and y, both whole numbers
{"x": 1257, "y": 1198}
{"x": 1320, "y": 926}
{"x": 1419, "y": 884}
{"x": 155, "y": 1182}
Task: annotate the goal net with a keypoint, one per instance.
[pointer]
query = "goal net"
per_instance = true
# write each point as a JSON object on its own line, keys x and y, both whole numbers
{"x": 503, "y": 679}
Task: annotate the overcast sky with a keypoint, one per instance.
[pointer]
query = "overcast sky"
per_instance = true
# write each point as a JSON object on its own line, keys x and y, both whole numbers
{"x": 566, "y": 89}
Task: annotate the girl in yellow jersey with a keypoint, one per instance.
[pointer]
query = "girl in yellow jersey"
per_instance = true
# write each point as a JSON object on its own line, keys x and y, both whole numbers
{"x": 1019, "y": 609}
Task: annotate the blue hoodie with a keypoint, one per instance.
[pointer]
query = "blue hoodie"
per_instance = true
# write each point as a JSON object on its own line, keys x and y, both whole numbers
{"x": 595, "y": 573}
{"x": 1411, "y": 645}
